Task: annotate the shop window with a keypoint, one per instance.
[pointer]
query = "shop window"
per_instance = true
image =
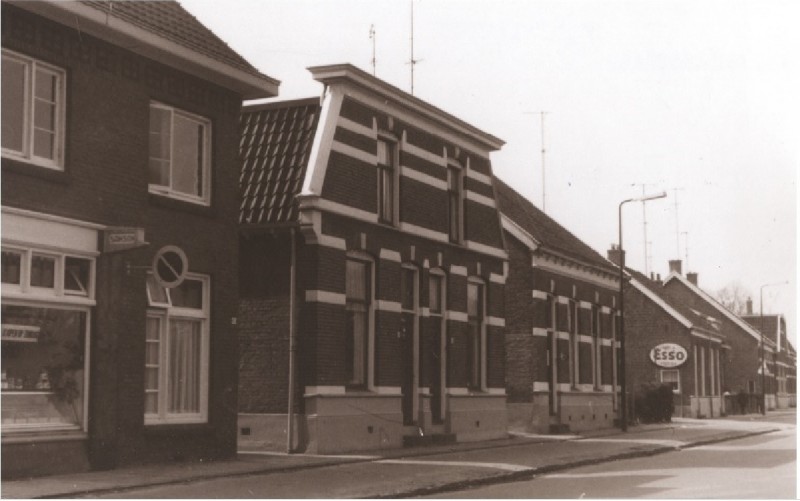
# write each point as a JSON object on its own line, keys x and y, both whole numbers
{"x": 358, "y": 306}
{"x": 77, "y": 273}
{"x": 33, "y": 110}
{"x": 43, "y": 271}
{"x": 176, "y": 352}
{"x": 476, "y": 334}
{"x": 179, "y": 154}
{"x": 43, "y": 367}
{"x": 672, "y": 378}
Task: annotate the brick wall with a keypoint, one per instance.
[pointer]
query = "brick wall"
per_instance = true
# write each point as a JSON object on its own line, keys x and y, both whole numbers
{"x": 108, "y": 92}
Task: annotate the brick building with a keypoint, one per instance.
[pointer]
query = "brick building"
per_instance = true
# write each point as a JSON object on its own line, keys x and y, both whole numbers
{"x": 119, "y": 123}
{"x": 784, "y": 378}
{"x": 668, "y": 341}
{"x": 370, "y": 241}
{"x": 739, "y": 365}
{"x": 561, "y": 322}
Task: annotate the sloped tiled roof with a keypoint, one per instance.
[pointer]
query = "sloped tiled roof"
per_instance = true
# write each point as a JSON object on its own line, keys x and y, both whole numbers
{"x": 167, "y": 19}
{"x": 770, "y": 324}
{"x": 275, "y": 144}
{"x": 679, "y": 304}
{"x": 543, "y": 228}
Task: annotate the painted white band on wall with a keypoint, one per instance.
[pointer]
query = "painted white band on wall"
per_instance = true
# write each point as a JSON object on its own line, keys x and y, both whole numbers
{"x": 540, "y": 331}
{"x": 318, "y": 296}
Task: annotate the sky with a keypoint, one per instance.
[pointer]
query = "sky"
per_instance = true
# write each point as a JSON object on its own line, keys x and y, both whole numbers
{"x": 700, "y": 99}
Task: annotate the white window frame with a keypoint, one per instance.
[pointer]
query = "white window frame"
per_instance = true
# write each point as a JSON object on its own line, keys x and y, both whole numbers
{"x": 482, "y": 333}
{"x": 677, "y": 372}
{"x": 165, "y": 312}
{"x": 455, "y": 167}
{"x": 25, "y": 290}
{"x": 369, "y": 383}
{"x": 205, "y": 197}
{"x": 27, "y": 155}
{"x": 394, "y": 169}
{"x": 415, "y": 311}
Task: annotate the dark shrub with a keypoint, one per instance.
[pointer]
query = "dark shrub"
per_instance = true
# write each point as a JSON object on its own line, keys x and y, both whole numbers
{"x": 654, "y": 404}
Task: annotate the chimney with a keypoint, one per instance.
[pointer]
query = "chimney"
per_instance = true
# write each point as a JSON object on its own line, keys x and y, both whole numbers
{"x": 614, "y": 254}
{"x": 749, "y": 306}
{"x": 675, "y": 265}
{"x": 692, "y": 277}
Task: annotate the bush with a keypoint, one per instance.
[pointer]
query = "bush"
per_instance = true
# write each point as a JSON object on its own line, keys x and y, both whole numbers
{"x": 654, "y": 404}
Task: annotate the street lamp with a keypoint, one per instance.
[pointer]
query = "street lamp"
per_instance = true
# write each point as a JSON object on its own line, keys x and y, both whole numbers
{"x": 763, "y": 360}
{"x": 622, "y": 382}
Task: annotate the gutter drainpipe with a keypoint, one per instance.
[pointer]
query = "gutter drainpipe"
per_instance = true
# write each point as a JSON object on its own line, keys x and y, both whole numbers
{"x": 292, "y": 306}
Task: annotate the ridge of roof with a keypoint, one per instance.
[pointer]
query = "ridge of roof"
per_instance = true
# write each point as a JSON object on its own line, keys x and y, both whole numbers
{"x": 545, "y": 230}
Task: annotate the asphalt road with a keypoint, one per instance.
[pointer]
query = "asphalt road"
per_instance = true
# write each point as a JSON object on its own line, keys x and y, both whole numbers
{"x": 760, "y": 467}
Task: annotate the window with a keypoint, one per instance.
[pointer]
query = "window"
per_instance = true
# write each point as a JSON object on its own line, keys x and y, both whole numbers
{"x": 32, "y": 110}
{"x": 179, "y": 154}
{"x": 358, "y": 306}
{"x": 12, "y": 268}
{"x": 176, "y": 352}
{"x": 475, "y": 339}
{"x": 574, "y": 343}
{"x": 455, "y": 204}
{"x": 30, "y": 272}
{"x": 672, "y": 378}
{"x": 435, "y": 290}
{"x": 387, "y": 166}
{"x": 438, "y": 372}
{"x": 751, "y": 386}
{"x": 597, "y": 359}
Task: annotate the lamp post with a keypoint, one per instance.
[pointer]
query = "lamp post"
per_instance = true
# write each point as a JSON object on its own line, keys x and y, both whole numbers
{"x": 761, "y": 331}
{"x": 622, "y": 378}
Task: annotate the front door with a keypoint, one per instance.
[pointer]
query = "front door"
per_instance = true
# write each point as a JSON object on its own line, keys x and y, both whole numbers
{"x": 409, "y": 336}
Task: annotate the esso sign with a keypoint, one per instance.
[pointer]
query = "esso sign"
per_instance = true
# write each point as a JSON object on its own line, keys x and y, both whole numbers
{"x": 668, "y": 355}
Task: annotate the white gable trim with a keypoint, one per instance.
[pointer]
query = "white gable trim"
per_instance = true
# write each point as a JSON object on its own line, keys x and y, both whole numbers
{"x": 321, "y": 147}
{"x": 517, "y": 232}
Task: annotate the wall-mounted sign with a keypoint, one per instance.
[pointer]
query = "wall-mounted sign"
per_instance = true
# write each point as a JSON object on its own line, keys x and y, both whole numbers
{"x": 21, "y": 333}
{"x": 668, "y": 355}
{"x": 119, "y": 238}
{"x": 170, "y": 265}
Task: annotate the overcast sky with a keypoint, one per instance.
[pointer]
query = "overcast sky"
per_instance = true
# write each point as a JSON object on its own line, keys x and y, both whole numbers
{"x": 702, "y": 97}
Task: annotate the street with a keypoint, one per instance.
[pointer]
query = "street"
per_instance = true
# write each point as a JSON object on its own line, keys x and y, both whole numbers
{"x": 758, "y": 466}
{"x": 761, "y": 467}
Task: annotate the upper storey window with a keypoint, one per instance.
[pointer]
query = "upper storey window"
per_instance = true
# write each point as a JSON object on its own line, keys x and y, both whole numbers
{"x": 180, "y": 163}
{"x": 33, "y": 111}
{"x": 387, "y": 169}
{"x": 455, "y": 203}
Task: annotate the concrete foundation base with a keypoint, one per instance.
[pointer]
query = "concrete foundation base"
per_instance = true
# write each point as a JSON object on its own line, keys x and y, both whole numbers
{"x": 477, "y": 417}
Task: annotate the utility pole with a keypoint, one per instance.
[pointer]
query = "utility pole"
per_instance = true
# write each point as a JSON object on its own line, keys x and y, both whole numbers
{"x": 372, "y": 37}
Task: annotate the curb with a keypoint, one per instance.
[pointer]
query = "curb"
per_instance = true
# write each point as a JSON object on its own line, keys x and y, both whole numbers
{"x": 534, "y": 472}
{"x": 459, "y": 485}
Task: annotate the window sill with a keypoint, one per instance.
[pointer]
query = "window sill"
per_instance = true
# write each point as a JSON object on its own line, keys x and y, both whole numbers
{"x": 164, "y": 429}
{"x": 167, "y": 202}
{"x": 19, "y": 166}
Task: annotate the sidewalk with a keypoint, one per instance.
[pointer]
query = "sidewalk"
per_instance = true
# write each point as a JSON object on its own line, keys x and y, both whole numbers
{"x": 588, "y": 448}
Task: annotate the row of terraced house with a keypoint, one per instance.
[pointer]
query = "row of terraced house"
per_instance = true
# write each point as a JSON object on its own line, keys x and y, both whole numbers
{"x": 184, "y": 276}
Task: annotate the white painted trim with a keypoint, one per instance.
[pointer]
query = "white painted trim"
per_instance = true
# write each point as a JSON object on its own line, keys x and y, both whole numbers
{"x": 607, "y": 388}
{"x": 552, "y": 263}
{"x": 537, "y": 294}
{"x": 390, "y": 255}
{"x": 563, "y": 336}
{"x": 458, "y": 270}
{"x": 605, "y": 342}
{"x": 351, "y": 151}
{"x": 457, "y": 391}
{"x": 320, "y": 296}
{"x": 36, "y": 229}
{"x": 700, "y": 335}
{"x": 661, "y": 303}
{"x": 496, "y": 391}
{"x": 424, "y": 232}
{"x": 456, "y": 316}
{"x": 585, "y": 387}
{"x": 481, "y": 199}
{"x": 423, "y": 178}
{"x": 424, "y": 154}
{"x": 321, "y": 147}
{"x": 384, "y": 305}
{"x": 541, "y": 386}
{"x": 563, "y": 300}
{"x": 332, "y": 242}
{"x": 324, "y": 390}
{"x": 357, "y": 128}
{"x": 388, "y": 390}
{"x": 50, "y": 217}
{"x": 344, "y": 210}
{"x": 479, "y": 176}
{"x": 605, "y": 309}
{"x": 564, "y": 387}
{"x": 496, "y": 321}
{"x": 496, "y": 278}
{"x": 486, "y": 249}
{"x": 586, "y": 305}
{"x": 539, "y": 331}
{"x": 517, "y": 232}
{"x": 583, "y": 338}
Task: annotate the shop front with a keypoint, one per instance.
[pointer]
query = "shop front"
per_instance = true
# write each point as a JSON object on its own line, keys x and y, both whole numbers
{"x": 48, "y": 275}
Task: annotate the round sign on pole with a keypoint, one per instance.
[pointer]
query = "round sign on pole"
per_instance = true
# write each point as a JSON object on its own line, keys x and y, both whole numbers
{"x": 170, "y": 265}
{"x": 668, "y": 355}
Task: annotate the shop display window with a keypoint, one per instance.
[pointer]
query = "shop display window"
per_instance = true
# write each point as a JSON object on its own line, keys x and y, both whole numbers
{"x": 43, "y": 367}
{"x": 12, "y": 271}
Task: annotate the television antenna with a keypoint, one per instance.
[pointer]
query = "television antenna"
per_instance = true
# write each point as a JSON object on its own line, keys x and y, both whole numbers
{"x": 372, "y": 37}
